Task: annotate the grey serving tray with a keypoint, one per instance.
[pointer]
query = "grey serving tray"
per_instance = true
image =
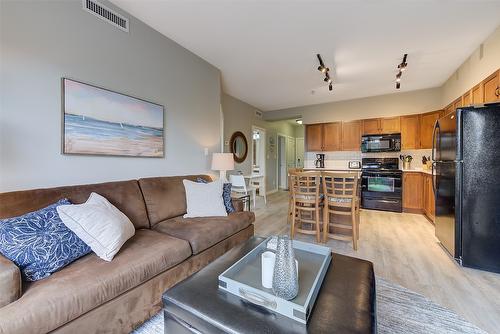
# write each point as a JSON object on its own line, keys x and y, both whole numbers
{"x": 243, "y": 279}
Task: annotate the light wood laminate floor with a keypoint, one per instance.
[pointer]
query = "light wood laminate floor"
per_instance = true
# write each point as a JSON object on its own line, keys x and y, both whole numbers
{"x": 404, "y": 250}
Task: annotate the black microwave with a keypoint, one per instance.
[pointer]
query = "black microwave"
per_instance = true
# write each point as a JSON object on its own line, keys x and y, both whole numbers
{"x": 381, "y": 143}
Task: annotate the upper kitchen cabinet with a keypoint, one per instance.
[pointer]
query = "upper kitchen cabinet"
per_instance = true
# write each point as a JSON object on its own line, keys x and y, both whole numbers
{"x": 381, "y": 125}
{"x": 410, "y": 132}
{"x": 324, "y": 137}
{"x": 491, "y": 88}
{"x": 314, "y": 137}
{"x": 448, "y": 109}
{"x": 390, "y": 125}
{"x": 351, "y": 136}
{"x": 427, "y": 122}
{"x": 466, "y": 99}
{"x": 457, "y": 103}
{"x": 476, "y": 93}
{"x": 332, "y": 136}
{"x": 371, "y": 126}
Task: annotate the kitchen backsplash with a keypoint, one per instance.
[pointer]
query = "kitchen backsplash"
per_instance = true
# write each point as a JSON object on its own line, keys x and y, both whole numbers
{"x": 340, "y": 159}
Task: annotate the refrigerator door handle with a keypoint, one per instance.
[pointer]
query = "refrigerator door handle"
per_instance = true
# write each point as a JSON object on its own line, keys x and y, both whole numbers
{"x": 433, "y": 175}
{"x": 434, "y": 137}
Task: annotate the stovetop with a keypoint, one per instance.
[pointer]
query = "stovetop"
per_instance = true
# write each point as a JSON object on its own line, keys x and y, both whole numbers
{"x": 380, "y": 164}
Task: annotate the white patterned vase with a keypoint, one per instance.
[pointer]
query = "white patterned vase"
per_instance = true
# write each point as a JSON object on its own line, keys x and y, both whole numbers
{"x": 285, "y": 276}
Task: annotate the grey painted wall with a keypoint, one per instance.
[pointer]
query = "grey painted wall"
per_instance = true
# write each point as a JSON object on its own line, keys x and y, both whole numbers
{"x": 240, "y": 116}
{"x": 42, "y": 41}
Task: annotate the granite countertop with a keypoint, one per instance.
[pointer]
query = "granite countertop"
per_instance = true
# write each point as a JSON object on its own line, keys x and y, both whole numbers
{"x": 418, "y": 170}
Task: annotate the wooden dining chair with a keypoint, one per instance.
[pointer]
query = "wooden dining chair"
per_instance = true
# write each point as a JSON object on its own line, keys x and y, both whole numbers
{"x": 306, "y": 202}
{"x": 291, "y": 174}
{"x": 341, "y": 200}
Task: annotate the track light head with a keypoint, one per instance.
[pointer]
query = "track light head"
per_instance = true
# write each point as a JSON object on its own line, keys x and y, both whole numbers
{"x": 330, "y": 87}
{"x": 398, "y": 85}
{"x": 322, "y": 69}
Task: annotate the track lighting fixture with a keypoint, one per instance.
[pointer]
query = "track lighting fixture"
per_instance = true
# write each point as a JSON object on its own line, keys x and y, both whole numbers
{"x": 323, "y": 69}
{"x": 401, "y": 68}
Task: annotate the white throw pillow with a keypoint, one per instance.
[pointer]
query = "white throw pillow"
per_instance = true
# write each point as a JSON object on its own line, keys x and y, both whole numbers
{"x": 204, "y": 199}
{"x": 99, "y": 224}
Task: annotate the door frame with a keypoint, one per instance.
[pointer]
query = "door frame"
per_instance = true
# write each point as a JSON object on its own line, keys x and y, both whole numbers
{"x": 304, "y": 150}
{"x": 263, "y": 141}
{"x": 278, "y": 158}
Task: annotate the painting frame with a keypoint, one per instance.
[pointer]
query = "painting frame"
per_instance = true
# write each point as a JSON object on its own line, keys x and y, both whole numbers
{"x": 64, "y": 133}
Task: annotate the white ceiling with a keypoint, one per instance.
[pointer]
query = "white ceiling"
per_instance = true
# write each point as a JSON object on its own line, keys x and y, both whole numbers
{"x": 266, "y": 49}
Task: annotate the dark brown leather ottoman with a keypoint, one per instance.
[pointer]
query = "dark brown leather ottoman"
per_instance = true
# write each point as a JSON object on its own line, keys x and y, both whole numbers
{"x": 345, "y": 304}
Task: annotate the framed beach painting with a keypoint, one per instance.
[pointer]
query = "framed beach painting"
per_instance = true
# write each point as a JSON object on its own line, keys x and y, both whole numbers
{"x": 98, "y": 121}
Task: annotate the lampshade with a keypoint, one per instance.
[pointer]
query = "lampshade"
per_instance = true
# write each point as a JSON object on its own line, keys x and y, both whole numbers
{"x": 222, "y": 161}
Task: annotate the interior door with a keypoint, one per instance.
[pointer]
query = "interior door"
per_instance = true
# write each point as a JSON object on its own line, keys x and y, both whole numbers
{"x": 299, "y": 152}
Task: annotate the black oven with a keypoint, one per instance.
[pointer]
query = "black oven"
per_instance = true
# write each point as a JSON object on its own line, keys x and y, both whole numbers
{"x": 381, "y": 143}
{"x": 381, "y": 185}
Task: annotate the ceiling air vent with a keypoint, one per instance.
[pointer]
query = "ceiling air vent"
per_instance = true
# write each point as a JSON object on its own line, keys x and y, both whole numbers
{"x": 106, "y": 14}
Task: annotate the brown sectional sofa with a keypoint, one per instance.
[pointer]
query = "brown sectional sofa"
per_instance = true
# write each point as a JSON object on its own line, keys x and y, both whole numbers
{"x": 94, "y": 296}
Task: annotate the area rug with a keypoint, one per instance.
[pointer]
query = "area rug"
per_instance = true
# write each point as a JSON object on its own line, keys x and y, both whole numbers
{"x": 399, "y": 310}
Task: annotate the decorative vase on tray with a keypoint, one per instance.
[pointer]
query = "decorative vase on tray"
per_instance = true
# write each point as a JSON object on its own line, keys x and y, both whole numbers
{"x": 285, "y": 276}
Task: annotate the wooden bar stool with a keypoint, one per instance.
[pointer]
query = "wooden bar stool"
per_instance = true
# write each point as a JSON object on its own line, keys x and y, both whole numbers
{"x": 341, "y": 200}
{"x": 306, "y": 201}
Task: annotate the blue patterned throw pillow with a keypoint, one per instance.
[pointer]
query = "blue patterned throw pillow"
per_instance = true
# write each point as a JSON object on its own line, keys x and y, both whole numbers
{"x": 226, "y": 195}
{"x": 39, "y": 243}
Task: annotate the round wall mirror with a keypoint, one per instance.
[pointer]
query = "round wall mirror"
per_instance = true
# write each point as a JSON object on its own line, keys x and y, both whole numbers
{"x": 239, "y": 146}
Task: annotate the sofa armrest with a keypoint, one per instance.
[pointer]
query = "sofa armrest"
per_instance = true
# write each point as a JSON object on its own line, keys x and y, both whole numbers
{"x": 238, "y": 204}
{"x": 10, "y": 281}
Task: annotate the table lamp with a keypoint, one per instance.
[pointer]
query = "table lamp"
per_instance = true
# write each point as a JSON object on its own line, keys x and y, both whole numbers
{"x": 222, "y": 162}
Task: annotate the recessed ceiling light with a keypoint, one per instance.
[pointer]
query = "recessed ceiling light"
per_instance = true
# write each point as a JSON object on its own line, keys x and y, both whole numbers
{"x": 298, "y": 121}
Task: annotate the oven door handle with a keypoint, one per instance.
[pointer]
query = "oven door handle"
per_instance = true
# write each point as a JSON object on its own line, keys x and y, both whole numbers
{"x": 388, "y": 201}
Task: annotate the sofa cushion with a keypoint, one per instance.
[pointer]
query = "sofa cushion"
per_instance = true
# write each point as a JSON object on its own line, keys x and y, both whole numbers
{"x": 10, "y": 281}
{"x": 39, "y": 243}
{"x": 165, "y": 197}
{"x": 90, "y": 282}
{"x": 205, "y": 232}
{"x": 105, "y": 238}
{"x": 125, "y": 195}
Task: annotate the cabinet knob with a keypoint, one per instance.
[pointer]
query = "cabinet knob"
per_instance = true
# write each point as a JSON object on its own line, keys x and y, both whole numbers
{"x": 497, "y": 92}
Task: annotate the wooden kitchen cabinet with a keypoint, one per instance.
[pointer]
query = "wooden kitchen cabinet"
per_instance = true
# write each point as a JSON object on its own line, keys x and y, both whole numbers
{"x": 410, "y": 132}
{"x": 413, "y": 196}
{"x": 427, "y": 122}
{"x": 314, "y": 137}
{"x": 491, "y": 88}
{"x": 448, "y": 109}
{"x": 371, "y": 126}
{"x": 457, "y": 104}
{"x": 477, "y": 94}
{"x": 351, "y": 136}
{"x": 390, "y": 125}
{"x": 332, "y": 136}
{"x": 466, "y": 99}
{"x": 385, "y": 125}
{"x": 429, "y": 201}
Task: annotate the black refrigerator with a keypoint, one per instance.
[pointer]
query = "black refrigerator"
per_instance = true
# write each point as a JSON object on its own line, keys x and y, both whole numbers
{"x": 466, "y": 183}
